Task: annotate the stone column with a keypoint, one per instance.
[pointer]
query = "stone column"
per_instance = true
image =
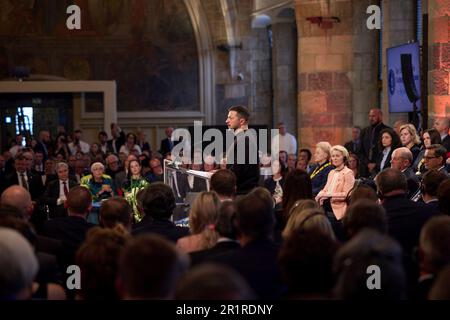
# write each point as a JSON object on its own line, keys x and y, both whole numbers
{"x": 439, "y": 58}
{"x": 284, "y": 66}
{"x": 325, "y": 64}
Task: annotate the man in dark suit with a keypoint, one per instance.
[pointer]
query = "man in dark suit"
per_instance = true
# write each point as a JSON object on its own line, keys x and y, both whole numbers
{"x": 24, "y": 178}
{"x": 401, "y": 160}
{"x": 44, "y": 144}
{"x": 244, "y": 165}
{"x": 442, "y": 125}
{"x": 354, "y": 146}
{"x": 435, "y": 158}
{"x": 71, "y": 230}
{"x": 405, "y": 217}
{"x": 167, "y": 143}
{"x": 57, "y": 191}
{"x": 369, "y": 140}
{"x": 118, "y": 139}
{"x": 429, "y": 189}
{"x": 227, "y": 242}
{"x": 158, "y": 205}
{"x": 257, "y": 259}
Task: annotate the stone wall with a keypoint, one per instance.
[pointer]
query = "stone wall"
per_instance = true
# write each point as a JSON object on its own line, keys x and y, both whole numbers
{"x": 325, "y": 64}
{"x": 439, "y": 58}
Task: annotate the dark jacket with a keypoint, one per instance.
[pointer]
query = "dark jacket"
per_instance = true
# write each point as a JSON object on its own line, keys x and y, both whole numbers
{"x": 35, "y": 186}
{"x": 247, "y": 174}
{"x": 369, "y": 145}
{"x": 405, "y": 220}
{"x": 210, "y": 255}
{"x": 51, "y": 196}
{"x": 163, "y": 227}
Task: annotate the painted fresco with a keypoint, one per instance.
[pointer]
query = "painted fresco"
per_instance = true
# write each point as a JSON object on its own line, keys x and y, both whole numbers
{"x": 147, "y": 46}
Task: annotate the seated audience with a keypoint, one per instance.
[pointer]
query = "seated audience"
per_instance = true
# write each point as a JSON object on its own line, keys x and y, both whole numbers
{"x": 99, "y": 184}
{"x": 296, "y": 187}
{"x": 158, "y": 204}
{"x": 363, "y": 214}
{"x": 150, "y": 268}
{"x": 97, "y": 259}
{"x": 435, "y": 158}
{"x": 131, "y": 186}
{"x": 434, "y": 252}
{"x": 429, "y": 188}
{"x": 116, "y": 211}
{"x": 306, "y": 220}
{"x": 339, "y": 182}
{"x": 429, "y": 137}
{"x": 361, "y": 191}
{"x": 402, "y": 160}
{"x": 306, "y": 260}
{"x": 276, "y": 182}
{"x": 57, "y": 191}
{"x": 320, "y": 174}
{"x": 202, "y": 223}
{"x": 443, "y": 195}
{"x": 410, "y": 139}
{"x": 351, "y": 263}
{"x": 227, "y": 235}
{"x": 223, "y": 182}
{"x": 256, "y": 261}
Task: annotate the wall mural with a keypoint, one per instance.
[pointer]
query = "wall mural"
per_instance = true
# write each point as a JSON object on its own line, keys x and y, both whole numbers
{"x": 148, "y": 47}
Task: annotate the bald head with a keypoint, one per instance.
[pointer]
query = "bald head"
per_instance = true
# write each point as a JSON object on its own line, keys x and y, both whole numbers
{"x": 442, "y": 125}
{"x": 401, "y": 158}
{"x": 375, "y": 116}
{"x": 18, "y": 198}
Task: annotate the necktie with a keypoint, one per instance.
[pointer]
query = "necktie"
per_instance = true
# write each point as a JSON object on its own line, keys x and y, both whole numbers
{"x": 66, "y": 191}
{"x": 24, "y": 181}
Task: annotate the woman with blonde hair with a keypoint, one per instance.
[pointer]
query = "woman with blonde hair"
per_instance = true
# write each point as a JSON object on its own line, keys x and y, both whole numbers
{"x": 410, "y": 139}
{"x": 320, "y": 174}
{"x": 340, "y": 181}
{"x": 306, "y": 220}
{"x": 202, "y": 223}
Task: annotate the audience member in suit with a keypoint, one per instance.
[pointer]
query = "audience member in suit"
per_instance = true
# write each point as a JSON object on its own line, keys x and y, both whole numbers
{"x": 44, "y": 144}
{"x": 369, "y": 140}
{"x": 57, "y": 191}
{"x": 405, "y": 217}
{"x": 166, "y": 143}
{"x": 118, "y": 139}
{"x": 443, "y": 195}
{"x": 306, "y": 262}
{"x": 257, "y": 260}
{"x": 16, "y": 202}
{"x": 320, "y": 174}
{"x": 156, "y": 173}
{"x": 144, "y": 145}
{"x": 389, "y": 141}
{"x": 442, "y": 125}
{"x": 369, "y": 247}
{"x": 435, "y": 253}
{"x": 223, "y": 182}
{"x": 435, "y": 158}
{"x": 24, "y": 178}
{"x": 71, "y": 230}
{"x": 150, "y": 267}
{"x": 304, "y": 158}
{"x": 226, "y": 242}
{"x": 354, "y": 146}
{"x": 158, "y": 204}
{"x": 365, "y": 213}
{"x": 245, "y": 165}
{"x": 115, "y": 211}
{"x": 429, "y": 189}
{"x": 401, "y": 160}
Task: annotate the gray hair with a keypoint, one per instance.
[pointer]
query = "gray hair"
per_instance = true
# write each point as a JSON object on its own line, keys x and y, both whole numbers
{"x": 97, "y": 165}
{"x": 18, "y": 261}
{"x": 62, "y": 165}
